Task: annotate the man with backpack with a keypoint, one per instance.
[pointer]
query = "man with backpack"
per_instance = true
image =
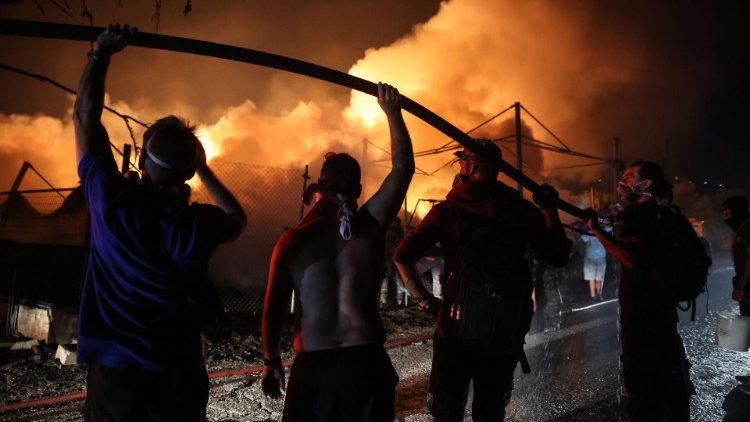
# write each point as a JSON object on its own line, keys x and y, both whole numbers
{"x": 655, "y": 368}
{"x": 483, "y": 228}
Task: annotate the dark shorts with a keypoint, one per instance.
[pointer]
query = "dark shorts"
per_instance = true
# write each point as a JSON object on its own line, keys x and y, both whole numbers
{"x": 179, "y": 394}
{"x": 350, "y": 384}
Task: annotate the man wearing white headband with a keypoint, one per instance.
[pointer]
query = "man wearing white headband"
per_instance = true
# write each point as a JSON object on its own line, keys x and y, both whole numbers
{"x": 144, "y": 298}
{"x": 332, "y": 260}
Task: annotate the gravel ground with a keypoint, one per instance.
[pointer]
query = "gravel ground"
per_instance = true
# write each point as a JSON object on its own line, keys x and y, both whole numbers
{"x": 232, "y": 342}
{"x": 565, "y": 385}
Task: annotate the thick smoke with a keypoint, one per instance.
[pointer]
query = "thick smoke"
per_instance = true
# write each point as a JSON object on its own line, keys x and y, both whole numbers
{"x": 589, "y": 72}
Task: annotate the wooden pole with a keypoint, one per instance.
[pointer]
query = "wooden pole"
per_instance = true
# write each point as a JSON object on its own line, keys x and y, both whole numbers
{"x": 125, "y": 166}
{"x": 519, "y": 139}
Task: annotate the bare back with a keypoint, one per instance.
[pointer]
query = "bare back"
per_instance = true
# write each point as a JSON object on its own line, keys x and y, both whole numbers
{"x": 337, "y": 281}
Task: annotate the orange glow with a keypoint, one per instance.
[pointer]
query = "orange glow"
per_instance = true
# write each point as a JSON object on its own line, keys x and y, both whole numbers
{"x": 363, "y": 109}
{"x": 468, "y": 62}
{"x": 210, "y": 144}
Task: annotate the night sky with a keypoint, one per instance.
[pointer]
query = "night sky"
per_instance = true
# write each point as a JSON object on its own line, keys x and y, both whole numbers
{"x": 671, "y": 80}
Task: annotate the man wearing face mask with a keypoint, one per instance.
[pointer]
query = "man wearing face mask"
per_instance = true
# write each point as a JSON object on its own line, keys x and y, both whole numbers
{"x": 655, "y": 368}
{"x": 332, "y": 259}
{"x": 147, "y": 276}
{"x": 480, "y": 206}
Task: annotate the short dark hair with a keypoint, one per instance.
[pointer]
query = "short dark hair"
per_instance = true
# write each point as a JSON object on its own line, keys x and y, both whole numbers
{"x": 341, "y": 174}
{"x": 649, "y": 170}
{"x": 173, "y": 141}
{"x": 485, "y": 153}
{"x": 737, "y": 205}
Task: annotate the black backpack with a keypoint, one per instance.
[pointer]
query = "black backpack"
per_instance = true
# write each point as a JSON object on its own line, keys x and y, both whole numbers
{"x": 487, "y": 294}
{"x": 681, "y": 262}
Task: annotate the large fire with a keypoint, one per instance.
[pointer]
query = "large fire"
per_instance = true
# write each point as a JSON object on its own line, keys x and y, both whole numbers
{"x": 472, "y": 59}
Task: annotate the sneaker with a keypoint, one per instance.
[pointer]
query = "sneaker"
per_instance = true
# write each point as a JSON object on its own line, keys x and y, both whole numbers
{"x": 600, "y": 298}
{"x": 745, "y": 379}
{"x": 745, "y": 388}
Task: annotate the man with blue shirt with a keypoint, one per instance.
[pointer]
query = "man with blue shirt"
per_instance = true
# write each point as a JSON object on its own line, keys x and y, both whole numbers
{"x": 142, "y": 305}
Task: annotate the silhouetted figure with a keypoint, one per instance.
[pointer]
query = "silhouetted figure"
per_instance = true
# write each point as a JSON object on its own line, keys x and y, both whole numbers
{"x": 654, "y": 364}
{"x": 734, "y": 212}
{"x": 393, "y": 283}
{"x": 483, "y": 228}
{"x": 547, "y": 298}
{"x": 146, "y": 294}
{"x": 332, "y": 259}
{"x": 594, "y": 265}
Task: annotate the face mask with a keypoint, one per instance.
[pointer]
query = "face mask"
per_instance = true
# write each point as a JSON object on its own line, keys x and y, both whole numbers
{"x": 632, "y": 188}
{"x": 460, "y": 179}
{"x": 345, "y": 215}
{"x": 347, "y": 207}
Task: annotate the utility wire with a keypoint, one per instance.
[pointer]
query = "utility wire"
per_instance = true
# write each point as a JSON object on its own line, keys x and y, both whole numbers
{"x": 545, "y": 127}
{"x": 125, "y": 117}
{"x": 418, "y": 170}
{"x": 578, "y": 166}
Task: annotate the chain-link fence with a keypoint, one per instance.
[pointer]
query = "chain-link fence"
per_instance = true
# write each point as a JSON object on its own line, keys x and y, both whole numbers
{"x": 271, "y": 198}
{"x": 43, "y": 236}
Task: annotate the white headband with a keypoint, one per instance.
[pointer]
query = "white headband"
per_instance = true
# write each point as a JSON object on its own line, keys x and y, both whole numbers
{"x": 158, "y": 160}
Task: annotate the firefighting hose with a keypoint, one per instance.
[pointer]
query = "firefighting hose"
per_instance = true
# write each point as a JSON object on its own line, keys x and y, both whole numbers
{"x": 260, "y": 58}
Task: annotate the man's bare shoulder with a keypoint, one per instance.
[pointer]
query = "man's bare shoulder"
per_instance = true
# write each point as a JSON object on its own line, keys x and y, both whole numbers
{"x": 285, "y": 240}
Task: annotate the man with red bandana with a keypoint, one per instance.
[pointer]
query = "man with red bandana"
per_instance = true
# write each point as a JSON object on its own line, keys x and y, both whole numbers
{"x": 479, "y": 201}
{"x": 332, "y": 260}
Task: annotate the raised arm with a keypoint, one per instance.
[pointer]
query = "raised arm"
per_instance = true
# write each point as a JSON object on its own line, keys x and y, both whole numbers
{"x": 387, "y": 200}
{"x": 223, "y": 197}
{"x": 626, "y": 252}
{"x": 91, "y": 137}
{"x": 275, "y": 308}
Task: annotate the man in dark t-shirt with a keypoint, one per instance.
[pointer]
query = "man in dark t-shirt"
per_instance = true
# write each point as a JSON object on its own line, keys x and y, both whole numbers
{"x": 147, "y": 275}
{"x": 653, "y": 356}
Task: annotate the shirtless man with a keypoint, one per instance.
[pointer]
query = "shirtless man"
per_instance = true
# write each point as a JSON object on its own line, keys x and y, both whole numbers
{"x": 332, "y": 259}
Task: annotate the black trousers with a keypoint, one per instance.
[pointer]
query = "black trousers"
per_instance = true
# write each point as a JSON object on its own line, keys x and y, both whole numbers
{"x": 350, "y": 384}
{"x": 124, "y": 395}
{"x": 457, "y": 362}
{"x": 657, "y": 378}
